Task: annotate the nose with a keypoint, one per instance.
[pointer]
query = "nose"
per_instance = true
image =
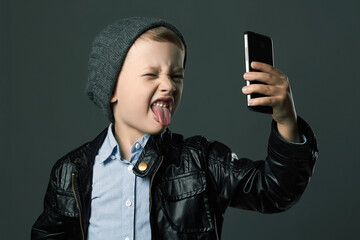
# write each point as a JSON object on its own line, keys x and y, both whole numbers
{"x": 167, "y": 84}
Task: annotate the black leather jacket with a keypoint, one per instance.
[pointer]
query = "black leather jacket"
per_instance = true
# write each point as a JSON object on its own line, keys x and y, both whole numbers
{"x": 193, "y": 182}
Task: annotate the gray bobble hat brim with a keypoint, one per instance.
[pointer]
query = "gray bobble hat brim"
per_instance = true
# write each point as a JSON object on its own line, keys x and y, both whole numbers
{"x": 107, "y": 55}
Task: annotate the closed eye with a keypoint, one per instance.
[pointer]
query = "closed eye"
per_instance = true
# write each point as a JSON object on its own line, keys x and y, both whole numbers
{"x": 150, "y": 75}
{"x": 177, "y": 76}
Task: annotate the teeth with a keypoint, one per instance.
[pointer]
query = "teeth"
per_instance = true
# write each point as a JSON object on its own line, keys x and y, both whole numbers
{"x": 162, "y": 105}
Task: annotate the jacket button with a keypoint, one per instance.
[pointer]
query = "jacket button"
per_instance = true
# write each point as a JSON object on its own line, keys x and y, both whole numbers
{"x": 78, "y": 160}
{"x": 143, "y": 166}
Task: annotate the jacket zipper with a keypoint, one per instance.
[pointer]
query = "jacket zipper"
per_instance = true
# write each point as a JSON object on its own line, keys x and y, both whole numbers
{"x": 151, "y": 181}
{"x": 77, "y": 204}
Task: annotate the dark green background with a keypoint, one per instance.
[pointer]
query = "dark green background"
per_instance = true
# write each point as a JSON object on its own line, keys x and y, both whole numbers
{"x": 44, "y": 112}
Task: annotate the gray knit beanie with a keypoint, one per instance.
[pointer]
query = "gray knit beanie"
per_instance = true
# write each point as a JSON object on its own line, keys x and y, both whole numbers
{"x": 108, "y": 52}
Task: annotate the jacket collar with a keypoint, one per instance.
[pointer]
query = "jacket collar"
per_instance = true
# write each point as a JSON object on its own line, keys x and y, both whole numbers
{"x": 150, "y": 157}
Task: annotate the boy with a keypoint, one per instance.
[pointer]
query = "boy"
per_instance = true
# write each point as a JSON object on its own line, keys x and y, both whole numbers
{"x": 137, "y": 180}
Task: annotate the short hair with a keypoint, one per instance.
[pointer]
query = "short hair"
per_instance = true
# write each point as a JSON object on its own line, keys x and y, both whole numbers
{"x": 163, "y": 34}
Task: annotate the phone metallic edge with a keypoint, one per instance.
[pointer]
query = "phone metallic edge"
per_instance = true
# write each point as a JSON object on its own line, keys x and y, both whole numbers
{"x": 259, "y": 48}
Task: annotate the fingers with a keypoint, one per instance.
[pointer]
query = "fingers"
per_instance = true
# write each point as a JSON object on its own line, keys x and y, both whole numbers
{"x": 267, "y": 90}
{"x": 268, "y": 74}
{"x": 270, "y": 82}
{"x": 263, "y": 67}
{"x": 263, "y": 77}
{"x": 263, "y": 101}
{"x": 275, "y": 94}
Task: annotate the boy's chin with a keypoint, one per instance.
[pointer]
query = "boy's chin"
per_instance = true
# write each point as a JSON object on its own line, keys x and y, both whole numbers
{"x": 158, "y": 130}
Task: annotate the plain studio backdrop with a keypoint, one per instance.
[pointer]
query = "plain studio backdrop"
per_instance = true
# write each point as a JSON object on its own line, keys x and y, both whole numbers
{"x": 44, "y": 112}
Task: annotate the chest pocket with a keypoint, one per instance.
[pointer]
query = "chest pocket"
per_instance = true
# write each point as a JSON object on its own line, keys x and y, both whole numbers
{"x": 185, "y": 203}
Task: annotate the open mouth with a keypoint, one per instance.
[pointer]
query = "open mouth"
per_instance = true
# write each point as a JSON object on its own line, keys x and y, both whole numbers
{"x": 161, "y": 109}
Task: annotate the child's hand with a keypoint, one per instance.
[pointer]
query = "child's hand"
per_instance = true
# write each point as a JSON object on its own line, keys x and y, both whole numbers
{"x": 278, "y": 96}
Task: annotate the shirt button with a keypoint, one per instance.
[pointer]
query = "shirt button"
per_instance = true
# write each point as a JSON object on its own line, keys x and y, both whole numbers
{"x": 137, "y": 145}
{"x": 127, "y": 238}
{"x": 112, "y": 157}
{"x": 128, "y": 203}
{"x": 130, "y": 167}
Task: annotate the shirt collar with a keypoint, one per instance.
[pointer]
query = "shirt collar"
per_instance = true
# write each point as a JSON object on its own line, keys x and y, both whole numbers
{"x": 111, "y": 148}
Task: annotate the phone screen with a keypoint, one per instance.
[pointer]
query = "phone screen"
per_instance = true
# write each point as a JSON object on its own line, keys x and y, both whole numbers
{"x": 257, "y": 48}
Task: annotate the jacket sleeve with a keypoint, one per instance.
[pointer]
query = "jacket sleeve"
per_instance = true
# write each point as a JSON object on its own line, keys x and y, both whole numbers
{"x": 270, "y": 185}
{"x": 59, "y": 219}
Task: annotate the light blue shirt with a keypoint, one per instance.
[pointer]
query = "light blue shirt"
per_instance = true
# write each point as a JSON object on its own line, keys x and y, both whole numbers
{"x": 119, "y": 199}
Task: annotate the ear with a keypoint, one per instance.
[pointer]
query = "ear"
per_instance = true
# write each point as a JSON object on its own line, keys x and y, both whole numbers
{"x": 113, "y": 98}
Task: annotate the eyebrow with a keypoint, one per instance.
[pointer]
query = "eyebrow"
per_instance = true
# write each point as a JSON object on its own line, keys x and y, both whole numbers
{"x": 179, "y": 69}
{"x": 175, "y": 69}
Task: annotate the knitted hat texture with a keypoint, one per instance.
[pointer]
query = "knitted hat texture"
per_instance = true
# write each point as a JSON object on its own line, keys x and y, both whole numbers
{"x": 107, "y": 55}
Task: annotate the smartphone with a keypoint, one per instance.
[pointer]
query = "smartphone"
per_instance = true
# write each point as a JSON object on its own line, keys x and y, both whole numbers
{"x": 257, "y": 48}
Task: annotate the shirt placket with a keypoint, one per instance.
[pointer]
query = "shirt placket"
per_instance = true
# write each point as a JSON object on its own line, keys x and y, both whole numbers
{"x": 128, "y": 196}
{"x": 127, "y": 203}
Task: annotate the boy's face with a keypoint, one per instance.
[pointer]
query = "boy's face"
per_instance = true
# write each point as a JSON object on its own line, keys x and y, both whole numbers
{"x": 149, "y": 87}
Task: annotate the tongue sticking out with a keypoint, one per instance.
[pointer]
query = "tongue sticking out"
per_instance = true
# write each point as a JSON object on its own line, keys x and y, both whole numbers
{"x": 162, "y": 115}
